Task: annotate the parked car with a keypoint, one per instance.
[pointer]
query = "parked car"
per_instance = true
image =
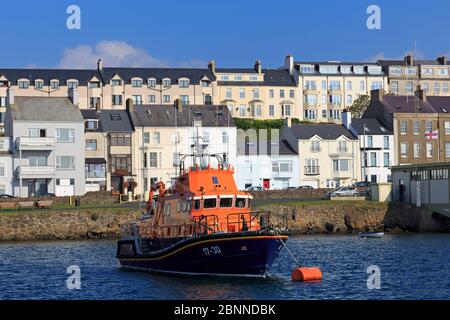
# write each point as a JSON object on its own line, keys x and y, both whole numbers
{"x": 345, "y": 192}
{"x": 289, "y": 188}
{"x": 305, "y": 188}
{"x": 362, "y": 188}
{"x": 331, "y": 193}
{"x": 255, "y": 188}
{"x": 6, "y": 196}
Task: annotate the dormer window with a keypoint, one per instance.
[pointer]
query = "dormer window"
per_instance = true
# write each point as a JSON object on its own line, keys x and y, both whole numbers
{"x": 38, "y": 84}
{"x": 204, "y": 83}
{"x": 91, "y": 124}
{"x": 238, "y": 77}
{"x": 253, "y": 78}
{"x": 166, "y": 83}
{"x": 116, "y": 82}
{"x": 184, "y": 83}
{"x": 151, "y": 83}
{"x": 136, "y": 83}
{"x": 116, "y": 117}
{"x": 94, "y": 84}
{"x": 54, "y": 84}
{"x": 23, "y": 84}
{"x": 72, "y": 84}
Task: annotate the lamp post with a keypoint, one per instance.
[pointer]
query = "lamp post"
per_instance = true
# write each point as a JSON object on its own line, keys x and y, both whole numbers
{"x": 364, "y": 152}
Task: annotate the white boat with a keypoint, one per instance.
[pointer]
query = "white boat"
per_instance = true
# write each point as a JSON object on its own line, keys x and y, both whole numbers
{"x": 372, "y": 234}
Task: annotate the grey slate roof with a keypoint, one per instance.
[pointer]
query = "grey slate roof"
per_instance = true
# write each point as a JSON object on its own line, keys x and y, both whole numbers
{"x": 439, "y": 104}
{"x": 374, "y": 127}
{"x": 194, "y": 75}
{"x": 106, "y": 122}
{"x": 406, "y": 104}
{"x": 324, "y": 131}
{"x": 272, "y": 77}
{"x": 164, "y": 116}
{"x": 82, "y": 75}
{"x": 45, "y": 109}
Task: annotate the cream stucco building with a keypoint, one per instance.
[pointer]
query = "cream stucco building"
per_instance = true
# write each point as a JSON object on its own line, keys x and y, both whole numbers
{"x": 327, "y": 88}
{"x": 328, "y": 154}
{"x": 257, "y": 93}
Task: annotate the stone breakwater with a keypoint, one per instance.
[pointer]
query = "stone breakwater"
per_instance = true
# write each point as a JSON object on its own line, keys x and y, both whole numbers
{"x": 299, "y": 219}
{"x": 64, "y": 225}
{"x": 354, "y": 218}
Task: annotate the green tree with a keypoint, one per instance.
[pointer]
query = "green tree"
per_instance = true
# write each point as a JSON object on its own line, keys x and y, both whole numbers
{"x": 359, "y": 106}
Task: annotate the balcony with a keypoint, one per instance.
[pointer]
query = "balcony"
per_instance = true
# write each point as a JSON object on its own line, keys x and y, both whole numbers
{"x": 310, "y": 89}
{"x": 35, "y": 143}
{"x": 312, "y": 170}
{"x": 282, "y": 174}
{"x": 334, "y": 89}
{"x": 35, "y": 172}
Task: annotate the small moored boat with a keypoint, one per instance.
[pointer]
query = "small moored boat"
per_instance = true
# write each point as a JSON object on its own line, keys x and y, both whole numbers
{"x": 372, "y": 234}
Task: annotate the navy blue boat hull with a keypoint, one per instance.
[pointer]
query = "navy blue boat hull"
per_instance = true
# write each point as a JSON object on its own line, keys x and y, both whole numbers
{"x": 248, "y": 255}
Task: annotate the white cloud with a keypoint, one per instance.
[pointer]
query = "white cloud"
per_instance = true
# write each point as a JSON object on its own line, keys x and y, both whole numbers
{"x": 117, "y": 54}
{"x": 382, "y": 56}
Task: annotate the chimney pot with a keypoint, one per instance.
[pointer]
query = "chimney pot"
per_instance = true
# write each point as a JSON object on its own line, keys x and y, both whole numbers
{"x": 130, "y": 105}
{"x": 10, "y": 96}
{"x": 408, "y": 60}
{"x": 376, "y": 95}
{"x": 99, "y": 64}
{"x": 212, "y": 66}
{"x": 258, "y": 67}
{"x": 73, "y": 96}
{"x": 421, "y": 94}
{"x": 442, "y": 60}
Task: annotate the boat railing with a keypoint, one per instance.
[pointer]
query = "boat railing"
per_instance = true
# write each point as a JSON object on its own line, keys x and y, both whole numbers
{"x": 249, "y": 221}
{"x": 206, "y": 224}
{"x": 130, "y": 230}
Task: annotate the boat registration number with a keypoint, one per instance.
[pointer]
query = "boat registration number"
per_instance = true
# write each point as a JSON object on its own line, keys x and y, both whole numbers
{"x": 212, "y": 250}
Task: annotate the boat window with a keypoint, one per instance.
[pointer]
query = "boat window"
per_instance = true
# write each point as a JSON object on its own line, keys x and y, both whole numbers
{"x": 210, "y": 203}
{"x": 180, "y": 205}
{"x": 197, "y": 204}
{"x": 249, "y": 203}
{"x": 167, "y": 209}
{"x": 188, "y": 206}
{"x": 240, "y": 203}
{"x": 226, "y": 202}
{"x": 215, "y": 180}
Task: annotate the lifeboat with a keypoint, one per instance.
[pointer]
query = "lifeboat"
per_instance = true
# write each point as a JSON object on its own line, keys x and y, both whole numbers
{"x": 201, "y": 225}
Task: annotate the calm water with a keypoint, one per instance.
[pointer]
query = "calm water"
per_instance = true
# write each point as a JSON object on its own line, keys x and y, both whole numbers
{"x": 412, "y": 267}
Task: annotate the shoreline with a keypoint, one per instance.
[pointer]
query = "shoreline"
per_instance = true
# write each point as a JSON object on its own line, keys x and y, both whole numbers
{"x": 301, "y": 218}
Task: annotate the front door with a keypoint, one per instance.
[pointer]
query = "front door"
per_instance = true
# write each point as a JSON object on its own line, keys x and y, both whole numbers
{"x": 266, "y": 183}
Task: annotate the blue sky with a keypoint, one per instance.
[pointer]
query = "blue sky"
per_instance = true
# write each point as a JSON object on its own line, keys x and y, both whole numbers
{"x": 234, "y": 33}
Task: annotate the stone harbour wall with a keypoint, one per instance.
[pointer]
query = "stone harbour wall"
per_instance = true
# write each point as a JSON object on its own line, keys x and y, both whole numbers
{"x": 354, "y": 218}
{"x": 343, "y": 217}
{"x": 64, "y": 225}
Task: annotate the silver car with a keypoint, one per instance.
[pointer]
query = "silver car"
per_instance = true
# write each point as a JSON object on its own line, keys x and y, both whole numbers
{"x": 345, "y": 192}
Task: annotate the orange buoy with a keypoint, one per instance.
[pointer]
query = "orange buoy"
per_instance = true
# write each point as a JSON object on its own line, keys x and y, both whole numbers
{"x": 306, "y": 274}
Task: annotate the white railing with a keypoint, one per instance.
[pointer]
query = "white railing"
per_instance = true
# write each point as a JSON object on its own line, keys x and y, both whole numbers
{"x": 35, "y": 142}
{"x": 36, "y": 170}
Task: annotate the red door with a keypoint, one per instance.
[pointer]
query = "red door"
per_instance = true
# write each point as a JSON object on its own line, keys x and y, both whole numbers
{"x": 266, "y": 183}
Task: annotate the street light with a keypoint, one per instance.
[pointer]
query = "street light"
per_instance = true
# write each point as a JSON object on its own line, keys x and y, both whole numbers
{"x": 364, "y": 152}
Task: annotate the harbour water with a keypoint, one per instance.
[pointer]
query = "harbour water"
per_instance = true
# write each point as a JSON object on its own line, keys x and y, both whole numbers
{"x": 413, "y": 266}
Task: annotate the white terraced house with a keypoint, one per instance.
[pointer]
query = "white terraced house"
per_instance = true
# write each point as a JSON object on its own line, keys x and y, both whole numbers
{"x": 48, "y": 145}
